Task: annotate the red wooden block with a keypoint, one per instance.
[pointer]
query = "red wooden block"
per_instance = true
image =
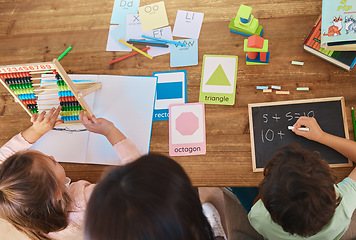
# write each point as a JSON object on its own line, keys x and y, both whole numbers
{"x": 263, "y": 56}
{"x": 252, "y": 55}
{"x": 255, "y": 41}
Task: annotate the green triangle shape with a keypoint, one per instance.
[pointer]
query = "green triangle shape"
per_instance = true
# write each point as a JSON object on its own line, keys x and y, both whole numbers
{"x": 218, "y": 78}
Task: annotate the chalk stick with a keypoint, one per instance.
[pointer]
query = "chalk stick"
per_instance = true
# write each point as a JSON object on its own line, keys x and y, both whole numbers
{"x": 267, "y": 90}
{"x": 302, "y": 89}
{"x": 301, "y": 129}
{"x": 262, "y": 87}
{"x": 282, "y": 92}
{"x": 276, "y": 87}
{"x": 297, "y": 63}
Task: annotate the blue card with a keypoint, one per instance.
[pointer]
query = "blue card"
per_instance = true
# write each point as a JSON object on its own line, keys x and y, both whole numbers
{"x": 171, "y": 89}
{"x": 122, "y": 8}
{"x": 184, "y": 56}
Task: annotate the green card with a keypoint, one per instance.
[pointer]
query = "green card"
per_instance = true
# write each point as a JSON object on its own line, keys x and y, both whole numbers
{"x": 218, "y": 79}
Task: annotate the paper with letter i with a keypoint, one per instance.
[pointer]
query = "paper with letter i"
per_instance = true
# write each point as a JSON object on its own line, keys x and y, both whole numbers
{"x": 218, "y": 79}
{"x": 188, "y": 24}
{"x": 187, "y": 129}
{"x": 171, "y": 89}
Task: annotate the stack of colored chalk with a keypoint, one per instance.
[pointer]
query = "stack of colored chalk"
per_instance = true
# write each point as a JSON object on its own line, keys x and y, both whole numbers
{"x": 70, "y": 106}
{"x": 21, "y": 85}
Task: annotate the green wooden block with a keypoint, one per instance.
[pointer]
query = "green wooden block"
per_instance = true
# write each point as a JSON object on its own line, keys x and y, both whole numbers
{"x": 245, "y": 29}
{"x": 255, "y": 63}
{"x": 264, "y": 49}
{"x": 244, "y": 11}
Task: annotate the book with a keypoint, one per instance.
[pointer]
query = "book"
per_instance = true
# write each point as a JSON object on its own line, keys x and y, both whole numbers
{"x": 127, "y": 101}
{"x": 338, "y": 25}
{"x": 312, "y": 44}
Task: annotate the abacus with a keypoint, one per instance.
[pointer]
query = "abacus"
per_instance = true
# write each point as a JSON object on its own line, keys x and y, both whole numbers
{"x": 25, "y": 84}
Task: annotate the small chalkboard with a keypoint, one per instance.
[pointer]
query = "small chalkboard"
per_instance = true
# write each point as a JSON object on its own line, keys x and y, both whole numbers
{"x": 269, "y": 128}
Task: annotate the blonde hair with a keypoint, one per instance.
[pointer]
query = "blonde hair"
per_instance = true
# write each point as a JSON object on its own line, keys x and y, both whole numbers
{"x": 28, "y": 190}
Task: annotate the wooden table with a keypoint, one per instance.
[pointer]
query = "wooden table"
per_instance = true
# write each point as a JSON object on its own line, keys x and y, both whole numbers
{"x": 39, "y": 31}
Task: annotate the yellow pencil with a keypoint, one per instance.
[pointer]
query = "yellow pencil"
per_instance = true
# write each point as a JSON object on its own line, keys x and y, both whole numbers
{"x": 136, "y": 49}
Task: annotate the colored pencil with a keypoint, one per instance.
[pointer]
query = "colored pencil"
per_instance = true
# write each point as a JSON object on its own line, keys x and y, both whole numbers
{"x": 148, "y": 44}
{"x": 353, "y": 120}
{"x": 127, "y": 56}
{"x": 135, "y": 48}
{"x": 164, "y": 40}
{"x": 64, "y": 53}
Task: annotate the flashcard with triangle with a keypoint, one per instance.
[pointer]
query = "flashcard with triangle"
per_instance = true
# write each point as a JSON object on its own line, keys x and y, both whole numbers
{"x": 218, "y": 79}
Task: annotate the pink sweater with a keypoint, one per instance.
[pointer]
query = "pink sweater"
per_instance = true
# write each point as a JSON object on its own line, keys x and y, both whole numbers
{"x": 80, "y": 191}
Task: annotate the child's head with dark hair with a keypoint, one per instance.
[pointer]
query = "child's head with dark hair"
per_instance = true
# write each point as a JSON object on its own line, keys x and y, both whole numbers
{"x": 33, "y": 196}
{"x": 150, "y": 198}
{"x": 298, "y": 191}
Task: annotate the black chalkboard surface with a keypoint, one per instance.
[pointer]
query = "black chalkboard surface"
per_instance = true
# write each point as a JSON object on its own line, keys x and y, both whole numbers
{"x": 269, "y": 128}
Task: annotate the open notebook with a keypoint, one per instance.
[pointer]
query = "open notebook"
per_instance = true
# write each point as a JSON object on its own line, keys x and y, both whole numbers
{"x": 127, "y": 101}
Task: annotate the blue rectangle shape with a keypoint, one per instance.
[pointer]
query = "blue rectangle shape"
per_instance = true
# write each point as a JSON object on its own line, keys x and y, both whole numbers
{"x": 169, "y": 90}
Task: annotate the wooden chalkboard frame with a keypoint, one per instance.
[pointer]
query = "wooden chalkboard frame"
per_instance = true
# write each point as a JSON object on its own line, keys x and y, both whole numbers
{"x": 316, "y": 100}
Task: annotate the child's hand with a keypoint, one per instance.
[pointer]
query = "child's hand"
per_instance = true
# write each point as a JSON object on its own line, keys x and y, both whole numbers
{"x": 102, "y": 126}
{"x": 96, "y": 125}
{"x": 41, "y": 124}
{"x": 315, "y": 133}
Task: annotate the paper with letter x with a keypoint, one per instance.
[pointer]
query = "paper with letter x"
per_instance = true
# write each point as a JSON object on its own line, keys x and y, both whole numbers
{"x": 187, "y": 129}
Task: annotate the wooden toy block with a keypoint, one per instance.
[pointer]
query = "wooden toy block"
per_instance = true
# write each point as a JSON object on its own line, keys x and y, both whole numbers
{"x": 263, "y": 56}
{"x": 244, "y": 14}
{"x": 252, "y": 55}
{"x": 259, "y": 32}
{"x": 255, "y": 41}
{"x": 263, "y": 49}
{"x": 258, "y": 60}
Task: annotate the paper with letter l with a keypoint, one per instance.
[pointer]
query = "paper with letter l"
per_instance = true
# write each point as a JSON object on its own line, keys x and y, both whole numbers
{"x": 218, "y": 79}
{"x": 153, "y": 16}
{"x": 187, "y": 129}
{"x": 188, "y": 24}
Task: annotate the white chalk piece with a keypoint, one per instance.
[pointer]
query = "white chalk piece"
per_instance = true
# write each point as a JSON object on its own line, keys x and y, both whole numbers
{"x": 276, "y": 87}
{"x": 297, "y": 63}
{"x": 302, "y": 89}
{"x": 301, "y": 129}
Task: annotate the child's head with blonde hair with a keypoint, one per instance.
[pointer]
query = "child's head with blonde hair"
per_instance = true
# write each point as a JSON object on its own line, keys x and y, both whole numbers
{"x": 33, "y": 196}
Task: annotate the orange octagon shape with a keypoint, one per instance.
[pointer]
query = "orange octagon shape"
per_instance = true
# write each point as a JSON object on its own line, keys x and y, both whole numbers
{"x": 187, "y": 123}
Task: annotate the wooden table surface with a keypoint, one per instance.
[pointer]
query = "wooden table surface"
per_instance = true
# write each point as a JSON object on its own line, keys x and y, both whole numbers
{"x": 39, "y": 31}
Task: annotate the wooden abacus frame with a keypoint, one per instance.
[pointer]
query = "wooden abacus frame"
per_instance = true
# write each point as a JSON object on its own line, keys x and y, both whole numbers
{"x": 44, "y": 67}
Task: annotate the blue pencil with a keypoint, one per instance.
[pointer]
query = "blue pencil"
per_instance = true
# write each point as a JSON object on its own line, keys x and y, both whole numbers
{"x": 147, "y": 41}
{"x": 164, "y": 40}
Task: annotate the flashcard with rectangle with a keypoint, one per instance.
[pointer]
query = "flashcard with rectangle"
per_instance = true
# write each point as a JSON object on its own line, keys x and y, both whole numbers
{"x": 171, "y": 89}
{"x": 218, "y": 79}
{"x": 187, "y": 129}
{"x": 163, "y": 33}
{"x": 153, "y": 16}
{"x": 188, "y": 24}
{"x": 117, "y": 32}
{"x": 122, "y": 8}
{"x": 133, "y": 27}
{"x": 184, "y": 56}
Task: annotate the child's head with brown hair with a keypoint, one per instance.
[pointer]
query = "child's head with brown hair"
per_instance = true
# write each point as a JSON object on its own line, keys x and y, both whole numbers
{"x": 298, "y": 191}
{"x": 150, "y": 198}
{"x": 33, "y": 196}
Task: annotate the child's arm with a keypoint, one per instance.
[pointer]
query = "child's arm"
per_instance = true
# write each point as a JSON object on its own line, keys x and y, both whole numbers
{"x": 41, "y": 124}
{"x": 126, "y": 149}
{"x": 344, "y": 146}
{"x": 103, "y": 127}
